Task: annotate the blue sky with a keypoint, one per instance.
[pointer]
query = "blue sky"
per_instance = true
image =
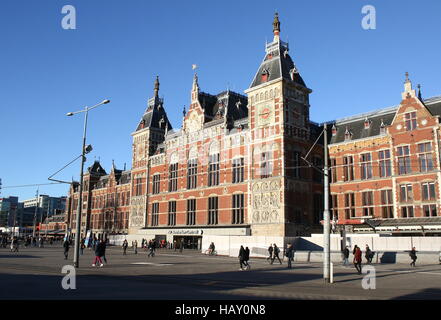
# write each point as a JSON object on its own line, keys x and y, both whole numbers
{"x": 120, "y": 46}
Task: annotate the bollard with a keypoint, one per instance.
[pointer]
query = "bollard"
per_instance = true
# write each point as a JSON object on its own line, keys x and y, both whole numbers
{"x": 331, "y": 271}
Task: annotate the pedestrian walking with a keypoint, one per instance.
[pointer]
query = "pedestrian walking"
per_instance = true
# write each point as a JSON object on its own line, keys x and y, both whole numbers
{"x": 345, "y": 256}
{"x": 14, "y": 244}
{"x": 181, "y": 248}
{"x": 247, "y": 258}
{"x": 66, "y": 245}
{"x": 135, "y": 246}
{"x": 276, "y": 252}
{"x": 357, "y": 259}
{"x": 368, "y": 255}
{"x": 99, "y": 252}
{"x": 241, "y": 257}
{"x": 124, "y": 246}
{"x": 413, "y": 256}
{"x": 82, "y": 246}
{"x": 270, "y": 253}
{"x": 152, "y": 248}
{"x": 289, "y": 253}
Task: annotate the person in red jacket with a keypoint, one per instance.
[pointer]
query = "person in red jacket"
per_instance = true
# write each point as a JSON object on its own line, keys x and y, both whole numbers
{"x": 357, "y": 259}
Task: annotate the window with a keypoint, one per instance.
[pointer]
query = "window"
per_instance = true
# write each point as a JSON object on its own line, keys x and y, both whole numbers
{"x": 348, "y": 168}
{"x": 156, "y": 183}
{"x": 296, "y": 164}
{"x": 430, "y": 210}
{"x": 387, "y": 209}
{"x": 368, "y": 203}
{"x": 238, "y": 170}
{"x": 407, "y": 212}
{"x": 317, "y": 173}
{"x": 173, "y": 177}
{"x": 238, "y": 209}
{"x": 411, "y": 122}
{"x": 155, "y": 214}
{"x": 172, "y": 213}
{"x": 425, "y": 159}
{"x": 404, "y": 160}
{"x": 265, "y": 165}
{"x": 191, "y": 212}
{"x": 428, "y": 190}
{"x": 213, "y": 170}
{"x": 349, "y": 205}
{"x": 406, "y": 193}
{"x": 138, "y": 186}
{"x": 333, "y": 170}
{"x": 334, "y": 206}
{"x": 385, "y": 168}
{"x": 212, "y": 210}
{"x": 192, "y": 173}
{"x": 366, "y": 166}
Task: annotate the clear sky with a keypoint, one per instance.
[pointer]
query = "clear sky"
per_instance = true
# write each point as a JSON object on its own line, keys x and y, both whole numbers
{"x": 120, "y": 46}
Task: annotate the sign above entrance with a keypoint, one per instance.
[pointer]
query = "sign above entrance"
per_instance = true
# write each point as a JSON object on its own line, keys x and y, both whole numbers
{"x": 186, "y": 232}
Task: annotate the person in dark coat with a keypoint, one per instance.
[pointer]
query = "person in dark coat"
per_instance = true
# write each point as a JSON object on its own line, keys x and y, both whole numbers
{"x": 276, "y": 254}
{"x": 346, "y": 256}
{"x": 270, "y": 252}
{"x": 368, "y": 254}
{"x": 246, "y": 258}
{"x": 413, "y": 256}
{"x": 99, "y": 252}
{"x": 357, "y": 259}
{"x": 125, "y": 245}
{"x": 66, "y": 245}
{"x": 241, "y": 257}
{"x": 289, "y": 254}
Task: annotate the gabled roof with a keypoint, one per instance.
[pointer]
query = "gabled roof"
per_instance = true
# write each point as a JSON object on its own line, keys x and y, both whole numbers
{"x": 96, "y": 169}
{"x": 355, "y": 124}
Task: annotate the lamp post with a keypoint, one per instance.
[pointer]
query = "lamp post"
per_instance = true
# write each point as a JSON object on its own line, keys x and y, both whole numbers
{"x": 326, "y": 215}
{"x": 80, "y": 196}
{"x": 35, "y": 213}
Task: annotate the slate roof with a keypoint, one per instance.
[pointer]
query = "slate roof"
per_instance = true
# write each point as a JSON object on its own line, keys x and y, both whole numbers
{"x": 355, "y": 124}
{"x": 152, "y": 116}
{"x": 277, "y": 63}
{"x": 215, "y": 106}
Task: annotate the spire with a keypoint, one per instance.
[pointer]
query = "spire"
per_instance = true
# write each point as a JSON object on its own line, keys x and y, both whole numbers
{"x": 156, "y": 90}
{"x": 276, "y": 27}
{"x": 408, "y": 91}
{"x": 184, "y": 112}
{"x": 419, "y": 93}
{"x": 195, "y": 89}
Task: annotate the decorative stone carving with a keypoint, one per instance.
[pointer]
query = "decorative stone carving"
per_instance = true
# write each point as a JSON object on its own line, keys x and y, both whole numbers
{"x": 266, "y": 202}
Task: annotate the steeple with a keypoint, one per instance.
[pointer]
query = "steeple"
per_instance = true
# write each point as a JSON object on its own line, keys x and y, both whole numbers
{"x": 156, "y": 90}
{"x": 408, "y": 91}
{"x": 276, "y": 27}
{"x": 195, "y": 89}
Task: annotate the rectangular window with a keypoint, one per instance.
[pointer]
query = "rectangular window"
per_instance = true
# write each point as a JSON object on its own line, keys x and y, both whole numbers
{"x": 334, "y": 170}
{"x": 411, "y": 122}
{"x": 238, "y": 170}
{"x": 403, "y": 154}
{"x": 212, "y": 210}
{"x": 406, "y": 193}
{"x": 428, "y": 190}
{"x": 407, "y": 212}
{"x": 265, "y": 165}
{"x": 430, "y": 210}
{"x": 368, "y": 203}
{"x": 155, "y": 214}
{"x": 348, "y": 168}
{"x": 425, "y": 159}
{"x": 296, "y": 164}
{"x": 385, "y": 168}
{"x": 366, "y": 166}
{"x": 191, "y": 212}
{"x": 349, "y": 205}
{"x": 156, "y": 183}
{"x": 213, "y": 170}
{"x": 192, "y": 173}
{"x": 138, "y": 186}
{"x": 334, "y": 206}
{"x": 173, "y": 177}
{"x": 387, "y": 209}
{"x": 172, "y": 213}
{"x": 238, "y": 209}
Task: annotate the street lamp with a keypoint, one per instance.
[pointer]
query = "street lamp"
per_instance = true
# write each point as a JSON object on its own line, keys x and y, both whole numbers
{"x": 85, "y": 149}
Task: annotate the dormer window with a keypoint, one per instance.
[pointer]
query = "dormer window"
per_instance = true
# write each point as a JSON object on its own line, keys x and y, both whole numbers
{"x": 367, "y": 123}
{"x": 334, "y": 130}
{"x": 410, "y": 119}
{"x": 265, "y": 75}
{"x": 382, "y": 127}
{"x": 348, "y": 134}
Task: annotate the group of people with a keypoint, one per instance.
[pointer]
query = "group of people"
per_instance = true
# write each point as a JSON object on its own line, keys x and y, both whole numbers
{"x": 273, "y": 251}
{"x": 369, "y": 255}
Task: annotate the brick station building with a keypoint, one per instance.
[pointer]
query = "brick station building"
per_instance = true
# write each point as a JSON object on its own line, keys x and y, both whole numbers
{"x": 233, "y": 168}
{"x": 385, "y": 168}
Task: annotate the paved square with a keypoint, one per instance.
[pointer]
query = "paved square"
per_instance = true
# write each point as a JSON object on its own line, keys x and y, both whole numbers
{"x": 35, "y": 273}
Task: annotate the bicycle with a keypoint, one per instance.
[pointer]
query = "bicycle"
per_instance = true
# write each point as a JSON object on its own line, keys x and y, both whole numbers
{"x": 210, "y": 252}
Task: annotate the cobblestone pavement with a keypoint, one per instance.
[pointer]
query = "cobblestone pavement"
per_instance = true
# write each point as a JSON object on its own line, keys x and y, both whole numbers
{"x": 35, "y": 273}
